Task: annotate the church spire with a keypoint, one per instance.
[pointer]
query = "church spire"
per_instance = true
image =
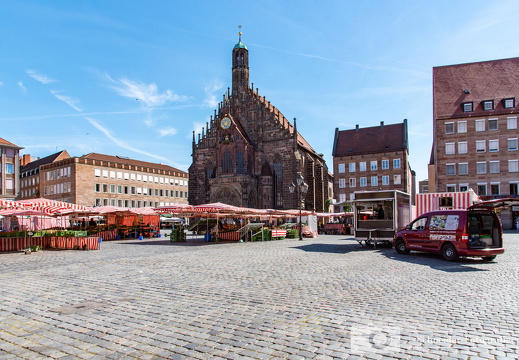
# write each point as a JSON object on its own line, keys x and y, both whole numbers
{"x": 240, "y": 66}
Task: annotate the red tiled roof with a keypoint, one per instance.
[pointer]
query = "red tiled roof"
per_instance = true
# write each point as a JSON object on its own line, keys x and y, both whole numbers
{"x": 371, "y": 140}
{"x": 8, "y": 143}
{"x": 132, "y": 162}
{"x": 488, "y": 80}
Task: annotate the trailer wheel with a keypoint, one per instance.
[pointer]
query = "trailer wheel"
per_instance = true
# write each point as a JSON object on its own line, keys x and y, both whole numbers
{"x": 449, "y": 252}
{"x": 400, "y": 247}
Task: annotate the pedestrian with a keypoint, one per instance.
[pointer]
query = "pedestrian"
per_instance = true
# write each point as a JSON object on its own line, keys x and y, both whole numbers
{"x": 380, "y": 212}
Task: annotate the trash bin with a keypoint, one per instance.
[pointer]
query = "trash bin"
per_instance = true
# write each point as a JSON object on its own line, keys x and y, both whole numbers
{"x": 207, "y": 237}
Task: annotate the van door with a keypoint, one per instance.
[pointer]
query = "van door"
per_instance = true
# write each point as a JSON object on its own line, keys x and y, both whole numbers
{"x": 417, "y": 233}
{"x": 442, "y": 227}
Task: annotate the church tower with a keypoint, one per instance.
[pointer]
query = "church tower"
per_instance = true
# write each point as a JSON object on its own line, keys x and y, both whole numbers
{"x": 240, "y": 67}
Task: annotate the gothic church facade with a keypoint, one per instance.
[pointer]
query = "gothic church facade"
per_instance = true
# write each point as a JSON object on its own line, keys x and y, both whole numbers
{"x": 249, "y": 153}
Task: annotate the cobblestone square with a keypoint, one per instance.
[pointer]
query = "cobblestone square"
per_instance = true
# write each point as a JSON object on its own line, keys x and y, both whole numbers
{"x": 324, "y": 298}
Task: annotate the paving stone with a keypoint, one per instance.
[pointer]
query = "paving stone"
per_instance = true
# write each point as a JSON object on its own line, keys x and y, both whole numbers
{"x": 258, "y": 300}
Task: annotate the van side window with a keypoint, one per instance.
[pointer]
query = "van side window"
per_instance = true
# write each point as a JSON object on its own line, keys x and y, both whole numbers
{"x": 419, "y": 224}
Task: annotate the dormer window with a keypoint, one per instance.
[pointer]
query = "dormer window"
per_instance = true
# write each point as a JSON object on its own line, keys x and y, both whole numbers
{"x": 467, "y": 106}
{"x": 509, "y": 103}
{"x": 488, "y": 105}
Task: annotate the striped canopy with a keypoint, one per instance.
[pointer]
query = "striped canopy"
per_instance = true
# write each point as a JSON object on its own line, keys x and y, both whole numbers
{"x": 51, "y": 206}
{"x": 10, "y": 204}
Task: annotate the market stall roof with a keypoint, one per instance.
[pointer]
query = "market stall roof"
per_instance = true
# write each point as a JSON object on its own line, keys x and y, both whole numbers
{"x": 174, "y": 209}
{"x": 334, "y": 214}
{"x": 50, "y": 206}
{"x": 11, "y": 204}
{"x": 22, "y": 212}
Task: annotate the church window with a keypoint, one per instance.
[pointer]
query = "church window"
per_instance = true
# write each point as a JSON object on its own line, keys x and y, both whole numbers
{"x": 278, "y": 184}
{"x": 239, "y": 162}
{"x": 227, "y": 162}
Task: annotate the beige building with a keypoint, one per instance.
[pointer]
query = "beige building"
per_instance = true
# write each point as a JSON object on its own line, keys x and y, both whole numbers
{"x": 372, "y": 158}
{"x": 9, "y": 169}
{"x": 99, "y": 180}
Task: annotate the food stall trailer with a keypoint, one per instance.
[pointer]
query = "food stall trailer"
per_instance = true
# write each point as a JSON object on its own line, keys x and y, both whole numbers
{"x": 370, "y": 229}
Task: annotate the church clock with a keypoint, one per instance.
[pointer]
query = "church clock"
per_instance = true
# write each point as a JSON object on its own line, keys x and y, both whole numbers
{"x": 225, "y": 123}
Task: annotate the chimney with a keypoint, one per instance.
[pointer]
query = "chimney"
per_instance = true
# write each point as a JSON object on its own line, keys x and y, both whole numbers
{"x": 357, "y": 127}
{"x": 381, "y": 124}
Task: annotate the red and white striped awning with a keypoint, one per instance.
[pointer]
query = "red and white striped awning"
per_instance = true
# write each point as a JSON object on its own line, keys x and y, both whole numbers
{"x": 51, "y": 206}
{"x": 10, "y": 204}
{"x": 174, "y": 209}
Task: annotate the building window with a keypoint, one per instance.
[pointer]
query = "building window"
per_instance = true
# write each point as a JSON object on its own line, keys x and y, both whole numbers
{"x": 226, "y": 163}
{"x": 514, "y": 189}
{"x": 342, "y": 183}
{"x": 351, "y": 167}
{"x": 487, "y": 105}
{"x": 105, "y": 188}
{"x": 342, "y": 198}
{"x": 385, "y": 164}
{"x": 450, "y": 169}
{"x": 446, "y": 202}
{"x": 481, "y": 146}
{"x": 462, "y": 127}
{"x": 493, "y": 145}
{"x": 374, "y": 181}
{"x": 482, "y": 189}
{"x": 112, "y": 189}
{"x": 509, "y": 103}
{"x": 396, "y": 163}
{"x": 464, "y": 187}
{"x": 467, "y": 106}
{"x": 98, "y": 187}
{"x": 362, "y": 166}
{"x": 494, "y": 189}
{"x": 513, "y": 165}
{"x": 105, "y": 173}
{"x": 493, "y": 167}
{"x": 397, "y": 179}
{"x": 480, "y": 125}
{"x": 353, "y": 182}
{"x": 385, "y": 180}
{"x": 9, "y": 168}
{"x": 462, "y": 147}
{"x": 449, "y": 128}
{"x": 512, "y": 144}
{"x": 240, "y": 166}
{"x": 341, "y": 168}
{"x": 97, "y": 172}
{"x": 463, "y": 168}
{"x": 450, "y": 149}
{"x": 492, "y": 124}
{"x": 363, "y": 181}
{"x": 374, "y": 165}
{"x": 481, "y": 167}
{"x": 511, "y": 123}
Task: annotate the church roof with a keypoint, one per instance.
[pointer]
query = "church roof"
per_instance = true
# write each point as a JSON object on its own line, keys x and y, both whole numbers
{"x": 240, "y": 45}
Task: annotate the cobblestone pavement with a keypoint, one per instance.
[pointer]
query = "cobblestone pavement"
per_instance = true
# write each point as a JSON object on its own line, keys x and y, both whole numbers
{"x": 324, "y": 298}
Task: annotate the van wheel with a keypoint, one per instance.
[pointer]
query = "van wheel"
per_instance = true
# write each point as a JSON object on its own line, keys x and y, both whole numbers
{"x": 401, "y": 248}
{"x": 449, "y": 252}
{"x": 489, "y": 258}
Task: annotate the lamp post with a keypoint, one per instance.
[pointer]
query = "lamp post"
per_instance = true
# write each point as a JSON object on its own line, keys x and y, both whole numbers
{"x": 300, "y": 188}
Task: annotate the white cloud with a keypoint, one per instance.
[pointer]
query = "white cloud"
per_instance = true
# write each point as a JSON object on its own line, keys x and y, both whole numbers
{"x": 70, "y": 101}
{"x": 210, "y": 96}
{"x": 122, "y": 144}
{"x": 22, "y": 87}
{"x": 167, "y": 131}
{"x": 44, "y": 79}
{"x": 147, "y": 94}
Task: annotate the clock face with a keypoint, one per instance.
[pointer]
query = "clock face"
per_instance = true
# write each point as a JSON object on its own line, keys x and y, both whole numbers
{"x": 225, "y": 123}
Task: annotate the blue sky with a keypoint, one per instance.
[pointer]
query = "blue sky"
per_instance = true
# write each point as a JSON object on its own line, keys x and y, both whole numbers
{"x": 135, "y": 78}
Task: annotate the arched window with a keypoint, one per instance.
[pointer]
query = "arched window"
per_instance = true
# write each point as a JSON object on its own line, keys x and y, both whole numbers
{"x": 239, "y": 162}
{"x": 227, "y": 162}
{"x": 278, "y": 182}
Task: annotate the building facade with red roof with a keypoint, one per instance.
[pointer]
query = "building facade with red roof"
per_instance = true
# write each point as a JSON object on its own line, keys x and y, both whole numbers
{"x": 106, "y": 180}
{"x": 9, "y": 169}
{"x": 475, "y": 142}
{"x": 370, "y": 159}
{"x": 248, "y": 154}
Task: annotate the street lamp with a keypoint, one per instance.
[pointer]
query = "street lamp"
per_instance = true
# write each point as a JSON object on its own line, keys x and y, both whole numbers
{"x": 302, "y": 189}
